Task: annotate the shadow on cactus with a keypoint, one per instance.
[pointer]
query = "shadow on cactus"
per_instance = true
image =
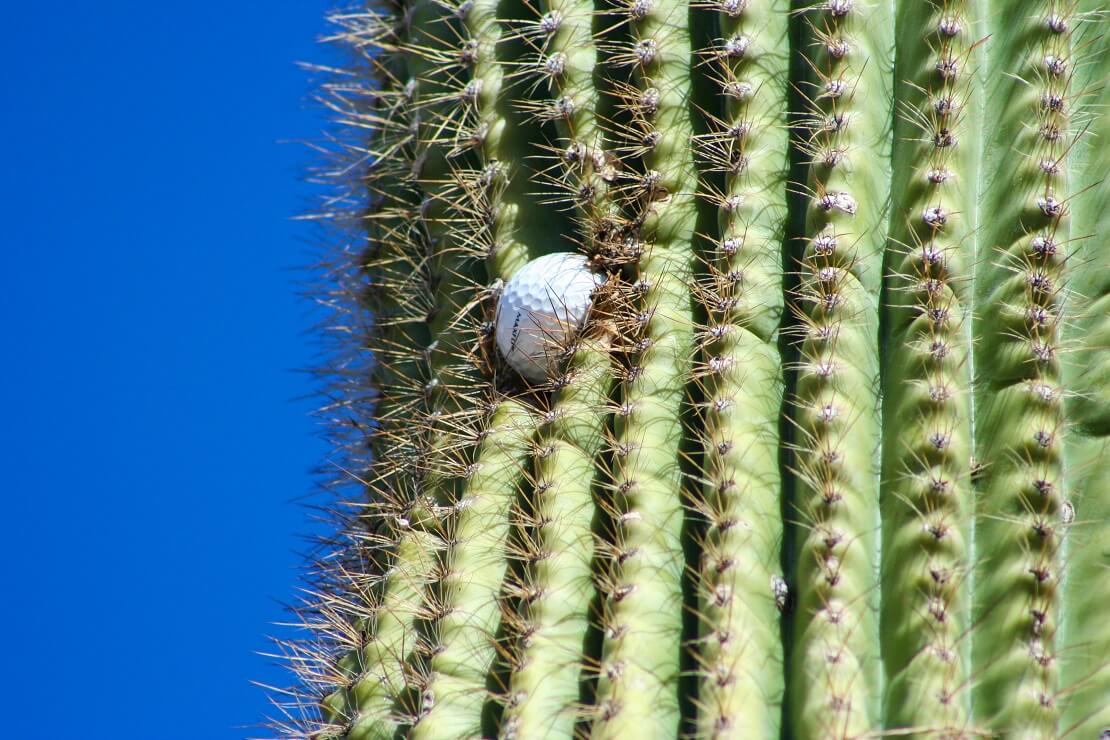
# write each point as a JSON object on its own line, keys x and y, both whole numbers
{"x": 728, "y": 368}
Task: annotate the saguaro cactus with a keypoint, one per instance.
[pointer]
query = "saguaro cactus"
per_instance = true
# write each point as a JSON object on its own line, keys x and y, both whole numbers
{"x": 829, "y": 457}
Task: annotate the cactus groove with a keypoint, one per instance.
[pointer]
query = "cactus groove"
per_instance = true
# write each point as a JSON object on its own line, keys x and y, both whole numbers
{"x": 830, "y": 457}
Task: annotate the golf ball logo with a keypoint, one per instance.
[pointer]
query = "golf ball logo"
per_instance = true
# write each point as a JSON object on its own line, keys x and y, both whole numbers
{"x": 541, "y": 307}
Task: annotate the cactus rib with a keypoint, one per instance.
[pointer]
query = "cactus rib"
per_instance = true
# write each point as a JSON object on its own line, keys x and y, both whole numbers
{"x": 1019, "y": 402}
{"x": 926, "y": 501}
{"x": 464, "y": 650}
{"x": 835, "y": 674}
{"x": 557, "y": 587}
{"x": 550, "y": 618}
{"x": 642, "y": 609}
{"x": 738, "y": 373}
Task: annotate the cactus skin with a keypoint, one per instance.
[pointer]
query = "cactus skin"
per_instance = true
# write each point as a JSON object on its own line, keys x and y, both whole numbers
{"x": 453, "y": 698}
{"x": 379, "y": 663}
{"x": 553, "y": 596}
{"x": 557, "y": 588}
{"x": 464, "y": 609}
{"x": 881, "y": 511}
{"x": 385, "y": 598}
{"x": 448, "y": 382}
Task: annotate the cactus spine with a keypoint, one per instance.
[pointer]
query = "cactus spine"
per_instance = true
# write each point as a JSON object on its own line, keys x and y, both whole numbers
{"x": 829, "y": 457}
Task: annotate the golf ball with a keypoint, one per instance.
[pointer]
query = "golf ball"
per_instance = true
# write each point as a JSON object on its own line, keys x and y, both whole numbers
{"x": 541, "y": 307}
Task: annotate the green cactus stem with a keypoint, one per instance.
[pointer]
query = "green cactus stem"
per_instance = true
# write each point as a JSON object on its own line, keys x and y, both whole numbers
{"x": 557, "y": 587}
{"x": 828, "y": 459}
{"x": 551, "y": 617}
{"x": 642, "y": 611}
{"x": 463, "y": 653}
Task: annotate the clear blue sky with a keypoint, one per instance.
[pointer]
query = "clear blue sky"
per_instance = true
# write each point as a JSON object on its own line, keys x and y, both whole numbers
{"x": 155, "y": 433}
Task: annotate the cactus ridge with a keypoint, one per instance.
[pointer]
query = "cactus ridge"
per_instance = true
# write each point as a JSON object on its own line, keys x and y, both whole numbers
{"x": 550, "y": 615}
{"x": 828, "y": 459}
{"x": 642, "y": 598}
{"x": 548, "y": 612}
{"x": 450, "y": 407}
{"x": 466, "y": 606}
{"x": 926, "y": 488}
{"x": 367, "y": 601}
{"x": 835, "y": 679}
{"x": 449, "y": 685}
{"x": 1019, "y": 395}
{"x": 737, "y": 373}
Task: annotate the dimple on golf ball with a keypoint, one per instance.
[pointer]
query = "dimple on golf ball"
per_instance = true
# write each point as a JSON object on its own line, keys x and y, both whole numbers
{"x": 540, "y": 309}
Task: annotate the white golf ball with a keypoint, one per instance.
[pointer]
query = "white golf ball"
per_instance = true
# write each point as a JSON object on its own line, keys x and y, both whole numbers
{"x": 540, "y": 309}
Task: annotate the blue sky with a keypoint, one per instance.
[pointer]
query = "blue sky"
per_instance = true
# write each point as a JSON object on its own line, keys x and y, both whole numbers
{"x": 155, "y": 429}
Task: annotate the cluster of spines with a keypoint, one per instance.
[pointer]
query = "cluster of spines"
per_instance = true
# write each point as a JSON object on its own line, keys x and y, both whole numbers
{"x": 641, "y": 582}
{"x": 843, "y": 135}
{"x": 435, "y": 434}
{"x": 444, "y": 407}
{"x": 926, "y": 489}
{"x": 738, "y": 372}
{"x": 1020, "y": 429}
{"x": 464, "y": 611}
{"x": 561, "y": 61}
